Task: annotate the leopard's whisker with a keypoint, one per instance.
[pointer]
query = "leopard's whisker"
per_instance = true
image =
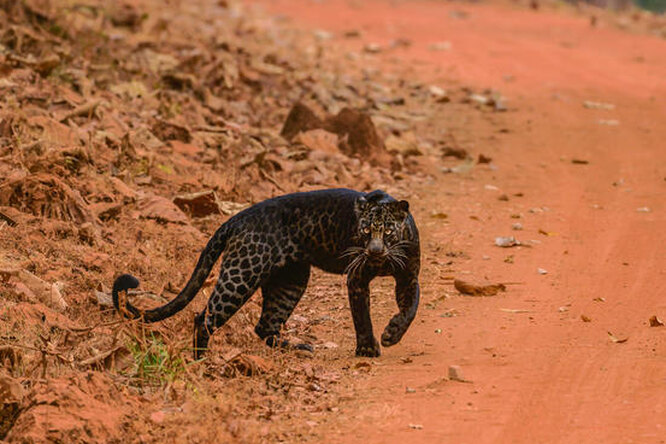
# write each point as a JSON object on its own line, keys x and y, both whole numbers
{"x": 354, "y": 264}
{"x": 360, "y": 261}
{"x": 403, "y": 243}
{"x": 397, "y": 252}
{"x": 351, "y": 251}
{"x": 396, "y": 260}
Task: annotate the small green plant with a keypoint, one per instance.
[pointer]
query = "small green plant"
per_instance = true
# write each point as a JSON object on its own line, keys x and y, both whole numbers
{"x": 156, "y": 363}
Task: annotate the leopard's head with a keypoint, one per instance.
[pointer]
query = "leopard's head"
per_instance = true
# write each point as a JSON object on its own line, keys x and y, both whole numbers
{"x": 380, "y": 232}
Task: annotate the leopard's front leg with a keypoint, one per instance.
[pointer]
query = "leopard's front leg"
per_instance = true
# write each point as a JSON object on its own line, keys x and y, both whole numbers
{"x": 359, "y": 301}
{"x": 407, "y": 297}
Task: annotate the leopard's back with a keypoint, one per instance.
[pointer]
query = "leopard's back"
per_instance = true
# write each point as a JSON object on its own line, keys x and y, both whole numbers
{"x": 314, "y": 227}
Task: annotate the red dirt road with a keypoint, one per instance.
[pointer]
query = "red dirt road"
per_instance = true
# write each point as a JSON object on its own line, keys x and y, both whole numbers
{"x": 539, "y": 360}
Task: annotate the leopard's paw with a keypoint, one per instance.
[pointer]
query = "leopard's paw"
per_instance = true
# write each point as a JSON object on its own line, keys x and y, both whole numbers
{"x": 368, "y": 350}
{"x": 392, "y": 335}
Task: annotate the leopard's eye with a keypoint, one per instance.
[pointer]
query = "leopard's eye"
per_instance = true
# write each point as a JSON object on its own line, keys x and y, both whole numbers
{"x": 388, "y": 231}
{"x": 366, "y": 230}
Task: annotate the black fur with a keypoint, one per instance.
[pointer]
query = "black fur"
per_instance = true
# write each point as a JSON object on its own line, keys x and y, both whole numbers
{"x": 273, "y": 244}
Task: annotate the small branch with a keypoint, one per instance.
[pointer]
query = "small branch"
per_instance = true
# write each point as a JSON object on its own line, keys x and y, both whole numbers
{"x": 11, "y": 222}
{"x": 269, "y": 178}
{"x": 43, "y": 351}
{"x": 87, "y": 329}
{"x": 99, "y": 357}
{"x": 84, "y": 110}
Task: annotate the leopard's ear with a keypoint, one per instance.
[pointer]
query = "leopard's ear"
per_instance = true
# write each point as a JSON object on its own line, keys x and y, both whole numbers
{"x": 400, "y": 208}
{"x": 360, "y": 204}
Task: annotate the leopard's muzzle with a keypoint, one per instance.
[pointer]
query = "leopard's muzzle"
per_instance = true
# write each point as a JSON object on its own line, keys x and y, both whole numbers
{"x": 376, "y": 250}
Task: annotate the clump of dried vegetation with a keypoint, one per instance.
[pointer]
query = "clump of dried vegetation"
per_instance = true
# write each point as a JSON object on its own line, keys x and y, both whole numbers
{"x": 129, "y": 130}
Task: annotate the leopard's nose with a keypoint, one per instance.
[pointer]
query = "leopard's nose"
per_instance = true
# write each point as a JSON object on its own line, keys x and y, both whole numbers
{"x": 375, "y": 247}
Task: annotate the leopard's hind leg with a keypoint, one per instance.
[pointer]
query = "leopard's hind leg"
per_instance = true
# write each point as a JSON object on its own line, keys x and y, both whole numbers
{"x": 238, "y": 281}
{"x": 281, "y": 293}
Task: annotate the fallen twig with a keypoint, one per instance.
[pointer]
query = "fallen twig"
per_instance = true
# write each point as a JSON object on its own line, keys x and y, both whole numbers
{"x": 44, "y": 351}
{"x": 87, "y": 329}
{"x": 99, "y": 357}
{"x": 269, "y": 178}
{"x": 11, "y": 222}
{"x": 84, "y": 110}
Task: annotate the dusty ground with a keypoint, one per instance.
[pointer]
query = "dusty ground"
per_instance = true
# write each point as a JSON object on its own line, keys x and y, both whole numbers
{"x": 577, "y": 159}
{"x": 538, "y": 371}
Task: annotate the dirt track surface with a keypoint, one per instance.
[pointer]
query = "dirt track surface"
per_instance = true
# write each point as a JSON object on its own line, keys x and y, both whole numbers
{"x": 538, "y": 359}
{"x": 104, "y": 127}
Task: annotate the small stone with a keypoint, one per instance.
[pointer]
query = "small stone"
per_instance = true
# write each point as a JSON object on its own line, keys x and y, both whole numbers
{"x": 438, "y": 93}
{"x": 441, "y": 46}
{"x": 230, "y": 208}
{"x": 300, "y": 319}
{"x": 517, "y": 226}
{"x": 455, "y": 373}
{"x": 352, "y": 33}
{"x": 322, "y": 35}
{"x": 478, "y": 98}
{"x": 542, "y": 271}
{"x": 103, "y": 299}
{"x": 483, "y": 159}
{"x": 372, "y": 48}
{"x": 157, "y": 417}
{"x": 598, "y": 105}
{"x": 506, "y": 241}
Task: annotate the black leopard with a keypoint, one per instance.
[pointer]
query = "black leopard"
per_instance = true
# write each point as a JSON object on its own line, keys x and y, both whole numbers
{"x": 273, "y": 244}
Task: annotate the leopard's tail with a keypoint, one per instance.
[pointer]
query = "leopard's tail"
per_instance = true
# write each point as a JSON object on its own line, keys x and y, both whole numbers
{"x": 207, "y": 259}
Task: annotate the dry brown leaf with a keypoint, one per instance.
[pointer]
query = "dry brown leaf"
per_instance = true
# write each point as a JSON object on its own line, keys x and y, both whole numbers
{"x": 656, "y": 322}
{"x": 617, "y": 340}
{"x": 438, "y": 215}
{"x": 161, "y": 209}
{"x": 45, "y": 195}
{"x": 199, "y": 204}
{"x": 478, "y": 290}
{"x": 11, "y": 222}
{"x": 246, "y": 365}
{"x": 514, "y": 310}
{"x": 11, "y": 397}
